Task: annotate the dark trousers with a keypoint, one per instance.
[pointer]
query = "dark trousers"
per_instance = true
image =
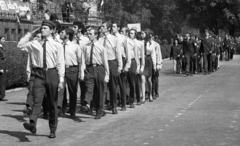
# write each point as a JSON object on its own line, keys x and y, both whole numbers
{"x": 29, "y": 101}
{"x": 179, "y": 65}
{"x": 123, "y": 84}
{"x": 45, "y": 82}
{"x": 155, "y": 81}
{"x": 3, "y": 77}
{"x": 94, "y": 81}
{"x": 71, "y": 79}
{"x": 62, "y": 99}
{"x": 82, "y": 96}
{"x": 210, "y": 62}
{"x": 113, "y": 81}
{"x": 195, "y": 63}
{"x": 216, "y": 62}
{"x": 190, "y": 63}
{"x": 206, "y": 61}
{"x": 231, "y": 53}
{"x": 213, "y": 62}
{"x": 133, "y": 82}
{"x": 227, "y": 54}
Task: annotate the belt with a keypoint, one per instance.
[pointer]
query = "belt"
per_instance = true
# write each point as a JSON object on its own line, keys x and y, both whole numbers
{"x": 112, "y": 60}
{"x": 133, "y": 58}
{"x": 94, "y": 65}
{"x": 69, "y": 66}
{"x": 148, "y": 55}
{"x": 39, "y": 68}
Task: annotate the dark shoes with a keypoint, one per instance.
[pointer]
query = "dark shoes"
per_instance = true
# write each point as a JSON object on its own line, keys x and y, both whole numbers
{"x": 114, "y": 111}
{"x": 100, "y": 114}
{"x": 139, "y": 103}
{"x": 4, "y": 99}
{"x": 132, "y": 105}
{"x": 45, "y": 116}
{"x": 123, "y": 109}
{"x": 52, "y": 135}
{"x": 73, "y": 115}
{"x": 30, "y": 126}
{"x": 150, "y": 100}
{"x": 27, "y": 110}
{"x": 143, "y": 101}
{"x": 61, "y": 111}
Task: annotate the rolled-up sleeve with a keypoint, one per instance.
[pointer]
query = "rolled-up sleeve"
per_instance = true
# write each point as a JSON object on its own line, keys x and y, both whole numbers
{"x": 105, "y": 63}
{"x": 119, "y": 55}
{"x": 61, "y": 63}
{"x": 24, "y": 42}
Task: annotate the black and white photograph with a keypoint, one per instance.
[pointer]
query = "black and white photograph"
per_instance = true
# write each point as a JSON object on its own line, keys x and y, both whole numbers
{"x": 119, "y": 72}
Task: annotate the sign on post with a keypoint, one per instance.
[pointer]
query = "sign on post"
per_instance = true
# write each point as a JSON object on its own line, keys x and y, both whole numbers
{"x": 136, "y": 26}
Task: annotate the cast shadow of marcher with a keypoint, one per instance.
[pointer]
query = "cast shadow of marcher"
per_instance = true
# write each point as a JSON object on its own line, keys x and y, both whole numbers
{"x": 17, "y": 103}
{"x": 20, "y": 118}
{"x": 75, "y": 119}
{"x": 22, "y": 136}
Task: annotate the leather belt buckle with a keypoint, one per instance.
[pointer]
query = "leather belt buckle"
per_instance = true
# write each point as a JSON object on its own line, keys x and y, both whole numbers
{"x": 67, "y": 66}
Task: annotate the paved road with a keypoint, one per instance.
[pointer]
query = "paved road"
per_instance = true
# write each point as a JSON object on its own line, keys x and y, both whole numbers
{"x": 192, "y": 111}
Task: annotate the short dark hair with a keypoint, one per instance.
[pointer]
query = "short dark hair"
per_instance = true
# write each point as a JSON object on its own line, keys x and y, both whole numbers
{"x": 118, "y": 24}
{"x": 80, "y": 26}
{"x": 53, "y": 17}
{"x": 126, "y": 29}
{"x": 96, "y": 31}
{"x": 1, "y": 37}
{"x": 135, "y": 31}
{"x": 69, "y": 32}
{"x": 109, "y": 25}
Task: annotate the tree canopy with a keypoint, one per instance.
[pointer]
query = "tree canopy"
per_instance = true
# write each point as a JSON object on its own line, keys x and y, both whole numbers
{"x": 214, "y": 15}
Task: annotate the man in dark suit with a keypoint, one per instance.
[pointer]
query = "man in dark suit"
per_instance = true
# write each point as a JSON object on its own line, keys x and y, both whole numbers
{"x": 205, "y": 49}
{"x": 2, "y": 70}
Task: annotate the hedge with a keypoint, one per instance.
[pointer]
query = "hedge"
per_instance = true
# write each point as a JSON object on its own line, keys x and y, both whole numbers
{"x": 17, "y": 61}
{"x": 165, "y": 49}
{"x": 16, "y": 66}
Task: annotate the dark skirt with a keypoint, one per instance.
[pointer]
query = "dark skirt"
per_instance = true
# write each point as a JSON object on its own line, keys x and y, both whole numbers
{"x": 133, "y": 68}
{"x": 148, "y": 66}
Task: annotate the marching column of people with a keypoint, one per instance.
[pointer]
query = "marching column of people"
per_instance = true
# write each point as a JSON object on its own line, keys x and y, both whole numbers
{"x": 91, "y": 58}
{"x": 193, "y": 55}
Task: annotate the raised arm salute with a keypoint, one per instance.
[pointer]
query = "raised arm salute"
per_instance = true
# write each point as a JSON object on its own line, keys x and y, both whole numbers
{"x": 48, "y": 69}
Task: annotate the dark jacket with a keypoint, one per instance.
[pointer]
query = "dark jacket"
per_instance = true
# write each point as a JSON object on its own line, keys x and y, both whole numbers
{"x": 2, "y": 58}
{"x": 175, "y": 51}
{"x": 205, "y": 46}
{"x": 189, "y": 47}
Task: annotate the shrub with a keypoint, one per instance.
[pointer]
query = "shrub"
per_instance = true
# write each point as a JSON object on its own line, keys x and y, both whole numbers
{"x": 165, "y": 49}
{"x": 16, "y": 65}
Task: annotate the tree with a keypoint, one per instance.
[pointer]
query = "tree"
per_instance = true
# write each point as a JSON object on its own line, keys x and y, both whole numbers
{"x": 214, "y": 15}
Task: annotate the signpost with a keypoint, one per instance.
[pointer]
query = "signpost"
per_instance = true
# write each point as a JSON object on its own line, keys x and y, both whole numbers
{"x": 136, "y": 26}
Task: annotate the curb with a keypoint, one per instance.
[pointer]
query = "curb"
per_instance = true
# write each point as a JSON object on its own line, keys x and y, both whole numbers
{"x": 16, "y": 89}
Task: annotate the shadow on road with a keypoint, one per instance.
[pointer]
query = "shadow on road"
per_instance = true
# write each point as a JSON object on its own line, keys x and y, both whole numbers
{"x": 17, "y": 103}
{"x": 20, "y": 118}
{"x": 19, "y": 111}
{"x": 22, "y": 136}
{"x": 76, "y": 119}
